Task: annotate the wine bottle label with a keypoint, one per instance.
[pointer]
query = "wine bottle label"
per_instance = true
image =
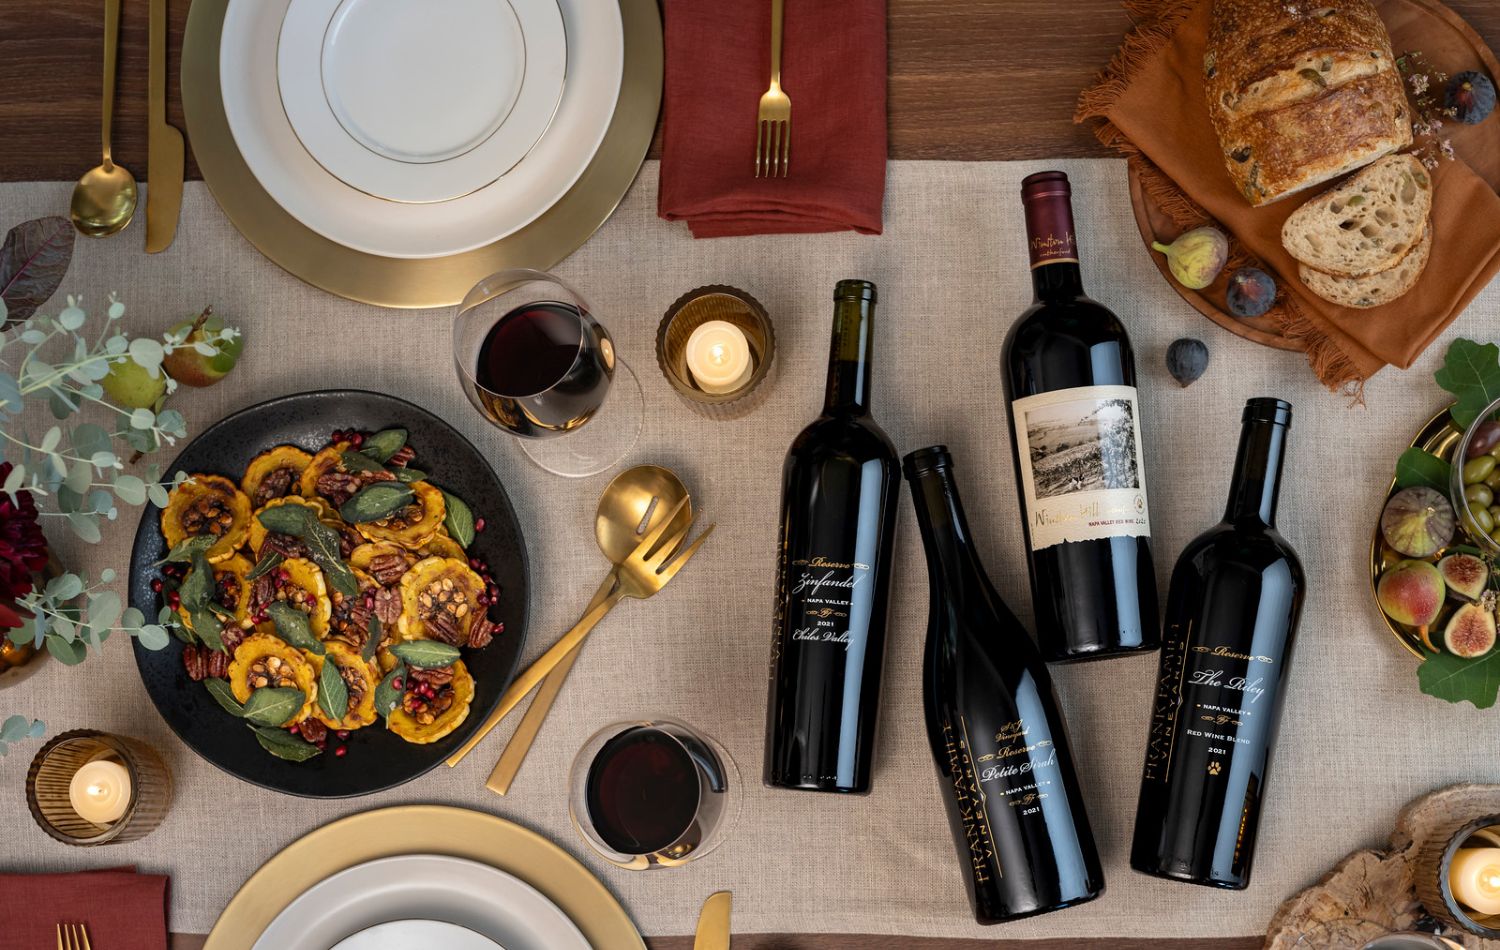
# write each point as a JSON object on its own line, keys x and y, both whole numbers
{"x": 970, "y": 798}
{"x": 1209, "y": 700}
{"x": 1081, "y": 472}
{"x": 823, "y": 596}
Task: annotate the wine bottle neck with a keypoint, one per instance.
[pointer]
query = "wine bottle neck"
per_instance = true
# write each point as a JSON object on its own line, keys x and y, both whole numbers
{"x": 850, "y": 351}
{"x": 940, "y": 516}
{"x": 1051, "y": 240}
{"x": 1256, "y": 483}
{"x": 1057, "y": 280}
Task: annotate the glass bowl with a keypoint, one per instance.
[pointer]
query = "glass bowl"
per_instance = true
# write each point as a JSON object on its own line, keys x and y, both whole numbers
{"x": 1485, "y": 425}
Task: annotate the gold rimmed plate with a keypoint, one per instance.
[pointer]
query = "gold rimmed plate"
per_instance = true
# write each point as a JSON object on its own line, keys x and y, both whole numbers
{"x": 427, "y": 282}
{"x": 424, "y": 829}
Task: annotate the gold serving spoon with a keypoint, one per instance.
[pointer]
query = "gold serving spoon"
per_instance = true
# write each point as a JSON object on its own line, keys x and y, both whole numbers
{"x": 654, "y": 562}
{"x": 632, "y": 505}
{"x": 105, "y": 197}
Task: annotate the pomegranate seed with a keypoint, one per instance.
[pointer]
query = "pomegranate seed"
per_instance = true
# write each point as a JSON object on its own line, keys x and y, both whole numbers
{"x": 357, "y": 439}
{"x": 322, "y": 743}
{"x": 340, "y": 751}
{"x": 342, "y": 733}
{"x": 396, "y": 683}
{"x": 294, "y": 730}
{"x": 478, "y": 525}
{"x": 174, "y": 598}
{"x": 156, "y": 585}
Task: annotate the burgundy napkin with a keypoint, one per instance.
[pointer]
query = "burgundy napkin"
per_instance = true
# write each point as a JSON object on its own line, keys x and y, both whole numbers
{"x": 123, "y": 910}
{"x": 718, "y": 62}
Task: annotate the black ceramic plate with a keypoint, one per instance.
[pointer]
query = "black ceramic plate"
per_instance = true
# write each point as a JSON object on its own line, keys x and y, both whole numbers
{"x": 376, "y": 759}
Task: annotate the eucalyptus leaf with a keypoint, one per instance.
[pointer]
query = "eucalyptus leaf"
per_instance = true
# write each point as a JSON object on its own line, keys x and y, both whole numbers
{"x": 153, "y": 636}
{"x": 274, "y": 706}
{"x": 285, "y": 519}
{"x": 64, "y": 587}
{"x": 387, "y": 695}
{"x": 223, "y": 694}
{"x": 409, "y": 475}
{"x": 158, "y": 495}
{"x": 333, "y": 692}
{"x": 104, "y": 609}
{"x": 147, "y": 354}
{"x": 14, "y": 728}
{"x": 80, "y": 477}
{"x": 66, "y": 652}
{"x": 142, "y": 419}
{"x": 85, "y": 527}
{"x": 284, "y": 745}
{"x": 268, "y": 562}
{"x": 293, "y": 626}
{"x": 426, "y": 654}
{"x": 383, "y": 444}
{"x": 33, "y": 261}
{"x": 360, "y": 462}
{"x": 459, "y": 520}
{"x": 373, "y": 502}
{"x": 130, "y": 489}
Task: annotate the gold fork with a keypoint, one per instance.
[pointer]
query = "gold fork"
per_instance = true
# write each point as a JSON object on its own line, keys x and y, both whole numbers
{"x": 654, "y": 562}
{"x": 773, "y": 126}
{"x": 73, "y": 937}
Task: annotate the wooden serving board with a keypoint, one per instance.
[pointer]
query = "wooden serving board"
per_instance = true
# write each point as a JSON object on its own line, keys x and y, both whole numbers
{"x": 1427, "y": 26}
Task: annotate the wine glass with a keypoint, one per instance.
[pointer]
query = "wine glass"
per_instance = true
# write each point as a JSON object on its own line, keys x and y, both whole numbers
{"x": 535, "y": 361}
{"x": 652, "y": 793}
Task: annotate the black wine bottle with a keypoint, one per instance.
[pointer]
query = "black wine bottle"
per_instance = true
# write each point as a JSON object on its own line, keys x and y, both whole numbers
{"x": 1231, "y": 617}
{"x": 1076, "y": 433}
{"x": 838, "y": 522}
{"x": 997, "y": 735}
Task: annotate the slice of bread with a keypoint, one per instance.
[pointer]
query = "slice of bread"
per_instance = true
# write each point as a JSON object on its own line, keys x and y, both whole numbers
{"x": 1375, "y": 290}
{"x": 1365, "y": 225}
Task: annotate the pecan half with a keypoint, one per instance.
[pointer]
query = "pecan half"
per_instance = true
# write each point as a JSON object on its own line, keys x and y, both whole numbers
{"x": 402, "y": 457}
{"x": 482, "y": 631}
{"x": 312, "y": 730}
{"x": 283, "y": 544}
{"x": 387, "y": 569}
{"x": 338, "y": 487}
{"x": 275, "y": 485}
{"x": 444, "y": 626}
{"x": 218, "y": 663}
{"x": 232, "y": 636}
{"x": 388, "y": 607}
{"x": 195, "y": 661}
{"x": 434, "y": 677}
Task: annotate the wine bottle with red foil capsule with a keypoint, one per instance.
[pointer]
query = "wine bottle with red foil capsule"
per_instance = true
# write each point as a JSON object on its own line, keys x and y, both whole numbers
{"x": 1076, "y": 432}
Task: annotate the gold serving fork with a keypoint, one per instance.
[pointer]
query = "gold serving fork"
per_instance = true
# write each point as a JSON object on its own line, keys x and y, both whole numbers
{"x": 73, "y": 937}
{"x": 773, "y": 126}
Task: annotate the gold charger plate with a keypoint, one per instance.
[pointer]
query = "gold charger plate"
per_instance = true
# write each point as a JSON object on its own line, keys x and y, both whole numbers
{"x": 433, "y": 282}
{"x": 1440, "y": 437}
{"x": 424, "y": 829}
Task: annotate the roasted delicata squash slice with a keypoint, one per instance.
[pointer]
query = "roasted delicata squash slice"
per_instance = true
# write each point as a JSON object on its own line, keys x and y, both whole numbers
{"x": 360, "y": 678}
{"x": 420, "y": 720}
{"x": 442, "y": 545}
{"x": 264, "y": 660}
{"x": 439, "y": 585}
{"x": 231, "y": 591}
{"x": 327, "y": 460}
{"x": 274, "y": 474}
{"x": 207, "y": 504}
{"x": 414, "y": 525}
{"x": 257, "y": 533}
{"x": 299, "y": 582}
{"x": 365, "y": 556}
{"x": 349, "y": 617}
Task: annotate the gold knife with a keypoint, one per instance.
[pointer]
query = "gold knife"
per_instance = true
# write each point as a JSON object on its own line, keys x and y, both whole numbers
{"x": 713, "y": 923}
{"x": 164, "y": 162}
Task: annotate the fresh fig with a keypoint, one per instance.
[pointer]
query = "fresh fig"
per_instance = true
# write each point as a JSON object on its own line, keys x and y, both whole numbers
{"x": 1411, "y": 593}
{"x": 1466, "y": 575}
{"x": 1417, "y": 521}
{"x": 1251, "y": 292}
{"x": 1196, "y": 257}
{"x": 1470, "y": 96}
{"x": 1471, "y": 630}
{"x": 1186, "y": 360}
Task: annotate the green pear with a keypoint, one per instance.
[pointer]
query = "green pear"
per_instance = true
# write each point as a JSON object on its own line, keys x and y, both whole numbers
{"x": 132, "y": 386}
{"x": 191, "y": 368}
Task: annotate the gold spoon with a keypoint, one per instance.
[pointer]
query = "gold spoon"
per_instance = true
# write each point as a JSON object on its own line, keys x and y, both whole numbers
{"x": 632, "y": 505}
{"x": 105, "y": 197}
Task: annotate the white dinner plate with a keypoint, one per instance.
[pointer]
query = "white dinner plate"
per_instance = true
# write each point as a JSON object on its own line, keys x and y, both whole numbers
{"x": 496, "y": 905}
{"x": 420, "y": 101}
{"x": 417, "y": 935}
{"x": 347, "y": 216}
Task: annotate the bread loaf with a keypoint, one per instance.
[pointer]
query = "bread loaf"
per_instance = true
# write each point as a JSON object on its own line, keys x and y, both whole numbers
{"x": 1301, "y": 92}
{"x": 1377, "y": 289}
{"x": 1364, "y": 225}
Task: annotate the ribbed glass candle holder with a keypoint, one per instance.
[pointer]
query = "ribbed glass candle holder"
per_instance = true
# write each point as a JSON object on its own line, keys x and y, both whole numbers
{"x": 733, "y": 306}
{"x": 49, "y": 780}
{"x": 1434, "y": 863}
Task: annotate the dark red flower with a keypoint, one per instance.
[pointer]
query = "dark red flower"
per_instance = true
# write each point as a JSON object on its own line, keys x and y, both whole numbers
{"x": 23, "y": 550}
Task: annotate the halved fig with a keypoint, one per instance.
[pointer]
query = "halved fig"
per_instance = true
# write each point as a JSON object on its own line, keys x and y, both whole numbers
{"x": 1471, "y": 630}
{"x": 1466, "y": 575}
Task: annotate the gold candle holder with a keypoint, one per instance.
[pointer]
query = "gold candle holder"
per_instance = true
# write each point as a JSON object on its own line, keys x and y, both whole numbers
{"x": 688, "y": 313}
{"x": 50, "y": 776}
{"x": 1435, "y": 861}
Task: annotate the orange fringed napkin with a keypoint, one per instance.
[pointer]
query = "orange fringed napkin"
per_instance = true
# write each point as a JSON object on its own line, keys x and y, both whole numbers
{"x": 1152, "y": 99}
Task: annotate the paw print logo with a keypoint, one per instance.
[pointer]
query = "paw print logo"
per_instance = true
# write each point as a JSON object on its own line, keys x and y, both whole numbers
{"x": 1213, "y": 768}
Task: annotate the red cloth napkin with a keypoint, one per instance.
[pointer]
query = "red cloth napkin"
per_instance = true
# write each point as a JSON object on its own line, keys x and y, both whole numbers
{"x": 833, "y": 66}
{"x": 123, "y": 910}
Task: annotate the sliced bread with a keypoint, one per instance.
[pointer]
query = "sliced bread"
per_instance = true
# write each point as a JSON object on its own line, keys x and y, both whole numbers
{"x": 1365, "y": 225}
{"x": 1375, "y": 290}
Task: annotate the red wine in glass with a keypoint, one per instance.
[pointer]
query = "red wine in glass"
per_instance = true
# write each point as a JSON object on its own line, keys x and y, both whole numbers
{"x": 544, "y": 368}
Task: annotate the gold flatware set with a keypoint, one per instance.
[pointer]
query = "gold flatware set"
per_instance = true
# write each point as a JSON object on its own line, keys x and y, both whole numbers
{"x": 773, "y": 124}
{"x": 73, "y": 937}
{"x": 105, "y": 198}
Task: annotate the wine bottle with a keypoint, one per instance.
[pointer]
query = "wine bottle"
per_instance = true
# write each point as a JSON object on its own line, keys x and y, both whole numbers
{"x": 838, "y": 522}
{"x": 997, "y": 736}
{"x": 1076, "y": 433}
{"x": 1231, "y": 617}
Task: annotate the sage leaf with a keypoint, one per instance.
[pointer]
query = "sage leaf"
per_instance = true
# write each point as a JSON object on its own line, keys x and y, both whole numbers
{"x": 387, "y": 694}
{"x": 383, "y": 444}
{"x": 268, "y": 562}
{"x": 273, "y": 706}
{"x": 360, "y": 462}
{"x": 459, "y": 520}
{"x": 208, "y": 628}
{"x": 1416, "y": 467}
{"x": 286, "y": 519}
{"x": 409, "y": 475}
{"x": 33, "y": 261}
{"x": 323, "y": 543}
{"x": 426, "y": 654}
{"x": 292, "y": 626}
{"x": 372, "y": 640}
{"x": 198, "y": 584}
{"x": 376, "y": 501}
{"x": 284, "y": 745}
{"x": 333, "y": 692}
{"x": 182, "y": 552}
{"x": 223, "y": 694}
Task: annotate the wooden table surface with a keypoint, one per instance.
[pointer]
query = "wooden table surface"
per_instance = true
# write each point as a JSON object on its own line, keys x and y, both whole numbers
{"x": 970, "y": 80}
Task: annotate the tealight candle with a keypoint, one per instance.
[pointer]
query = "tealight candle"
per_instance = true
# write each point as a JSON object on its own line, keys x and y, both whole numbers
{"x": 718, "y": 356}
{"x": 100, "y": 791}
{"x": 1474, "y": 877}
